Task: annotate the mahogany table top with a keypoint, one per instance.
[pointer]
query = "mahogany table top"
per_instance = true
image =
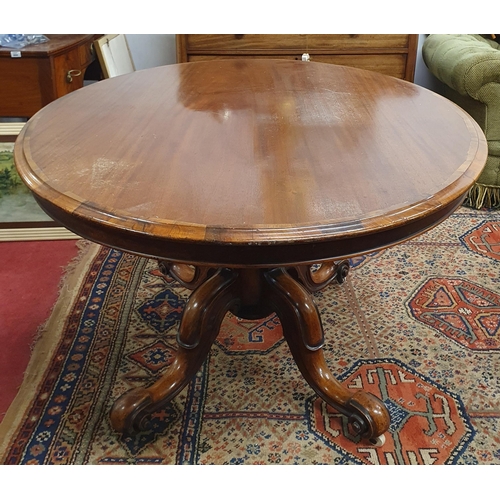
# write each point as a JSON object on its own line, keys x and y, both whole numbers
{"x": 252, "y": 162}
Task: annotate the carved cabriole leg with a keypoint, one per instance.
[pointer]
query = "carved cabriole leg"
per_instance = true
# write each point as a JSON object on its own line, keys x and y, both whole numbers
{"x": 249, "y": 293}
{"x": 303, "y": 331}
{"x": 324, "y": 275}
{"x": 199, "y": 327}
{"x": 189, "y": 276}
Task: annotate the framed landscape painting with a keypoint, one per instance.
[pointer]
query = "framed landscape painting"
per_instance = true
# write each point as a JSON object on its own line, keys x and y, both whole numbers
{"x": 20, "y": 216}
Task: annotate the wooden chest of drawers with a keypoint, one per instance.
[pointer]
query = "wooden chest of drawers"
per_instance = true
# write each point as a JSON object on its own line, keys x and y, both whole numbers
{"x": 393, "y": 55}
{"x": 42, "y": 73}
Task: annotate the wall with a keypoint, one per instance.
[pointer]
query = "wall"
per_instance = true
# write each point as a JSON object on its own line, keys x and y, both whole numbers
{"x": 149, "y": 51}
{"x": 423, "y": 76}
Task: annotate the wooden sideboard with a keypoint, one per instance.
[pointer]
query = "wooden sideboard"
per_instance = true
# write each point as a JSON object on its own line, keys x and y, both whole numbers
{"x": 41, "y": 73}
{"x": 393, "y": 55}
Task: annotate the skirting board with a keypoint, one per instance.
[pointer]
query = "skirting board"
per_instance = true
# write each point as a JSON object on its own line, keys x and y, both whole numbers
{"x": 37, "y": 234}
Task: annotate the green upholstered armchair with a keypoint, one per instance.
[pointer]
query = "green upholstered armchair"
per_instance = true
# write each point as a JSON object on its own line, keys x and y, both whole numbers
{"x": 469, "y": 66}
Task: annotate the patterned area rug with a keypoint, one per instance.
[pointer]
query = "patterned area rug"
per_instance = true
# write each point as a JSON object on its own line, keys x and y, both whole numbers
{"x": 417, "y": 324}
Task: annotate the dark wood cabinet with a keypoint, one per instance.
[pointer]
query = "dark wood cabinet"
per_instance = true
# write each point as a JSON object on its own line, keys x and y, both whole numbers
{"x": 36, "y": 75}
{"x": 393, "y": 55}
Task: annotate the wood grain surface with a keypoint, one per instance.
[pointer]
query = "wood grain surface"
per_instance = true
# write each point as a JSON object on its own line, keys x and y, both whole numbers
{"x": 250, "y": 162}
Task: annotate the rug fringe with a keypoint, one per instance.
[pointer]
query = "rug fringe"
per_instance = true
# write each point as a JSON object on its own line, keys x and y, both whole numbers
{"x": 46, "y": 338}
{"x": 83, "y": 248}
{"x": 483, "y": 196}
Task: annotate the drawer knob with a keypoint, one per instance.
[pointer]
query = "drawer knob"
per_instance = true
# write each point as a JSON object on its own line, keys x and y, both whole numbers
{"x": 72, "y": 73}
{"x": 306, "y": 57}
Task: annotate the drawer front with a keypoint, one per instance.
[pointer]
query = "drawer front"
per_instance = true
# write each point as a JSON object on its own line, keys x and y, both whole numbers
{"x": 294, "y": 42}
{"x": 63, "y": 65}
{"x": 387, "y": 64}
{"x": 86, "y": 54}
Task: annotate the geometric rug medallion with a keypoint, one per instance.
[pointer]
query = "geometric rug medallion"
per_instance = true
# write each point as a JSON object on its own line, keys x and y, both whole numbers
{"x": 429, "y": 424}
{"x": 484, "y": 239}
{"x": 464, "y": 312}
{"x": 162, "y": 311}
{"x": 154, "y": 357}
{"x": 250, "y": 336}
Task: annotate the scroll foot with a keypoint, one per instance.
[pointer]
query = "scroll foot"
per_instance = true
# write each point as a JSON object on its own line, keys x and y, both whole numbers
{"x": 130, "y": 411}
{"x": 303, "y": 332}
{"x": 367, "y": 415}
{"x": 198, "y": 330}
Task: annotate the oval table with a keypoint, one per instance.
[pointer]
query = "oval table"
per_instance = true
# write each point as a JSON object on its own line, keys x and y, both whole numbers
{"x": 251, "y": 182}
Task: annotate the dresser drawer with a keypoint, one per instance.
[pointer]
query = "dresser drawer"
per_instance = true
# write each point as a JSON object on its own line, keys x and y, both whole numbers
{"x": 390, "y": 64}
{"x": 86, "y": 54}
{"x": 393, "y": 55}
{"x": 303, "y": 43}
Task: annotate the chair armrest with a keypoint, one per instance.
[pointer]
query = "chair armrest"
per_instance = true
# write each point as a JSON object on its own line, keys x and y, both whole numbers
{"x": 463, "y": 62}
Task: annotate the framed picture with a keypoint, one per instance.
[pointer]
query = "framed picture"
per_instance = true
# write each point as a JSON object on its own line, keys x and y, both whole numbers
{"x": 20, "y": 216}
{"x": 114, "y": 55}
